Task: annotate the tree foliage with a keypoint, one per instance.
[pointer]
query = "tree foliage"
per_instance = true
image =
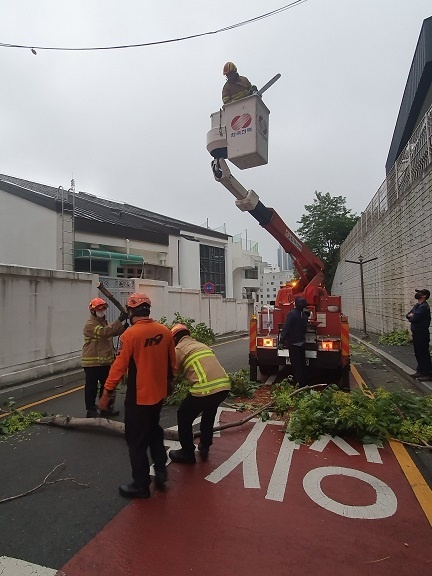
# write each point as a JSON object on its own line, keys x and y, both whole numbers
{"x": 323, "y": 229}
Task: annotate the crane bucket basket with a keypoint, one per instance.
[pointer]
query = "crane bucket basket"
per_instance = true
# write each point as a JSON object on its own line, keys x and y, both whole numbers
{"x": 247, "y": 130}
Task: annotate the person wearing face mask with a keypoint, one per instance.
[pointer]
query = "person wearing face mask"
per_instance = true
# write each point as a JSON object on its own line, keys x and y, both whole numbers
{"x": 294, "y": 336}
{"x": 420, "y": 317}
{"x": 98, "y": 354}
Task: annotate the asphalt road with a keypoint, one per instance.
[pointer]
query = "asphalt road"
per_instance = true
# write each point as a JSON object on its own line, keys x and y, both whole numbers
{"x": 49, "y": 526}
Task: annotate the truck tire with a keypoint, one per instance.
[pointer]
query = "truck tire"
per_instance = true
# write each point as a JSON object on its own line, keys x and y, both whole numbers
{"x": 268, "y": 369}
{"x": 344, "y": 379}
{"x": 253, "y": 370}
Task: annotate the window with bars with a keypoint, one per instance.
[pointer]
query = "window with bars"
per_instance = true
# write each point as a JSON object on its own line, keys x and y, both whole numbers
{"x": 212, "y": 267}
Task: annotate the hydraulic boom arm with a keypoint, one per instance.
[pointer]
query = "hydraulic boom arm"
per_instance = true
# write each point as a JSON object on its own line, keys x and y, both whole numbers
{"x": 308, "y": 266}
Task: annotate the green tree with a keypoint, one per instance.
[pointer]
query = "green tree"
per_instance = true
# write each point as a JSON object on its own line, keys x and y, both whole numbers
{"x": 323, "y": 229}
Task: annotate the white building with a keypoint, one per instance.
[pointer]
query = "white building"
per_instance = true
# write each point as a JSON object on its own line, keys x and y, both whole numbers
{"x": 284, "y": 260}
{"x": 52, "y": 228}
{"x": 271, "y": 280}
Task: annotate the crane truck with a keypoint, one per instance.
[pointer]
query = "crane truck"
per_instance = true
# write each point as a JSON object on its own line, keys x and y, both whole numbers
{"x": 239, "y": 133}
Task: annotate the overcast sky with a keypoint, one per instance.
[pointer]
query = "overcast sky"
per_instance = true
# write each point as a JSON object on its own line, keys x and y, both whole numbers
{"x": 130, "y": 125}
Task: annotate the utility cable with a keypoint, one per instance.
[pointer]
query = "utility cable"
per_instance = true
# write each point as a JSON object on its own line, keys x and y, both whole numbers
{"x": 144, "y": 44}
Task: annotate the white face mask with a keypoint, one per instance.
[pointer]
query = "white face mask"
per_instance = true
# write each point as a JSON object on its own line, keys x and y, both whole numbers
{"x": 100, "y": 313}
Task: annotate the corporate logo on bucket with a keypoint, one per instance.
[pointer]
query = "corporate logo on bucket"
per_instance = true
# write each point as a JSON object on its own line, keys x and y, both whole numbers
{"x": 241, "y": 122}
{"x": 262, "y": 127}
{"x": 241, "y": 125}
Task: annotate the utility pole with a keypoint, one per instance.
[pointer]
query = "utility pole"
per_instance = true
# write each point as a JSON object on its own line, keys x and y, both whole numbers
{"x": 361, "y": 262}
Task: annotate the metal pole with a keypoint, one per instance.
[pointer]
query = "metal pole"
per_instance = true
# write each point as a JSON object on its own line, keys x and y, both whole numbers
{"x": 362, "y": 294}
{"x": 209, "y": 311}
{"x": 361, "y": 262}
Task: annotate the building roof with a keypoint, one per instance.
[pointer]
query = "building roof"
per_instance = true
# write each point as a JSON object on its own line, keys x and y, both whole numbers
{"x": 417, "y": 96}
{"x": 98, "y": 215}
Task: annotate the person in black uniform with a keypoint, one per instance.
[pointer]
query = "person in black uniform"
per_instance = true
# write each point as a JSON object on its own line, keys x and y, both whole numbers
{"x": 420, "y": 317}
{"x": 294, "y": 335}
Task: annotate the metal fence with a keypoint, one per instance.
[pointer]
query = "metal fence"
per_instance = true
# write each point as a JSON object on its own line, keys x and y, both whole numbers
{"x": 409, "y": 167}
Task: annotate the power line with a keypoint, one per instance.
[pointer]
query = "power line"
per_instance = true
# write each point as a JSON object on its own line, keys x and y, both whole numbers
{"x": 144, "y": 44}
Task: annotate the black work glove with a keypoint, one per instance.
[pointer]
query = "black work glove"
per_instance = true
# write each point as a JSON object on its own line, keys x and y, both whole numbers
{"x": 123, "y": 316}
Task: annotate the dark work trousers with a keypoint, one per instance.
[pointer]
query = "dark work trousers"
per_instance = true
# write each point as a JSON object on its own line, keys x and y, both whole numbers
{"x": 143, "y": 431}
{"x": 298, "y": 363}
{"x": 421, "y": 351}
{"x": 190, "y": 408}
{"x": 94, "y": 375}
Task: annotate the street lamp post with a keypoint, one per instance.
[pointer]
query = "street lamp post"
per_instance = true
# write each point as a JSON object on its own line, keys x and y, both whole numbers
{"x": 361, "y": 262}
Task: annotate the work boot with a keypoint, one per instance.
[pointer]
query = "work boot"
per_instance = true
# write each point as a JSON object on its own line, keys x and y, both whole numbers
{"x": 182, "y": 458}
{"x": 133, "y": 491}
{"x": 425, "y": 378}
{"x": 92, "y": 413}
{"x": 109, "y": 413}
{"x": 416, "y": 375}
{"x": 203, "y": 450}
{"x": 161, "y": 476}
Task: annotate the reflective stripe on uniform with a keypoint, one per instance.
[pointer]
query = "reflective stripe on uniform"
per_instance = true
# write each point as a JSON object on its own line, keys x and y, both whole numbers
{"x": 204, "y": 386}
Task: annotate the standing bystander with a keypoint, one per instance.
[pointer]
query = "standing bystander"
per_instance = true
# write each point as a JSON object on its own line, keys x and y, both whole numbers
{"x": 420, "y": 317}
{"x": 98, "y": 354}
{"x": 147, "y": 354}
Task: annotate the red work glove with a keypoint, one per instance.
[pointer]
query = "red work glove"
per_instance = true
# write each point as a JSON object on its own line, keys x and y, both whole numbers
{"x": 106, "y": 400}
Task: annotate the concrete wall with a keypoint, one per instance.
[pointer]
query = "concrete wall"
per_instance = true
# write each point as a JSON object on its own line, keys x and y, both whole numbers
{"x": 28, "y": 233}
{"x": 42, "y": 314}
{"x": 222, "y": 315}
{"x": 401, "y": 240}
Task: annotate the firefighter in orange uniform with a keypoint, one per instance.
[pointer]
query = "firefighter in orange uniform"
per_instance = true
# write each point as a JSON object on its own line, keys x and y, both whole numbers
{"x": 236, "y": 87}
{"x": 147, "y": 354}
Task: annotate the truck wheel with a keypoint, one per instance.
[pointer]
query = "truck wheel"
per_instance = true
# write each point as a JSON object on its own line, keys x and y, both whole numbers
{"x": 344, "y": 380}
{"x": 268, "y": 369}
{"x": 253, "y": 371}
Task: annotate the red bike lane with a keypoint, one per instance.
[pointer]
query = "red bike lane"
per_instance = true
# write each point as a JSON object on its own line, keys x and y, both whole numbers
{"x": 264, "y": 505}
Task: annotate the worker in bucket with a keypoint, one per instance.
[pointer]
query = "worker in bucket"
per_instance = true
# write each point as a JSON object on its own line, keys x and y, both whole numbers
{"x": 294, "y": 335}
{"x": 209, "y": 386}
{"x": 98, "y": 354}
{"x": 147, "y": 353}
{"x": 236, "y": 86}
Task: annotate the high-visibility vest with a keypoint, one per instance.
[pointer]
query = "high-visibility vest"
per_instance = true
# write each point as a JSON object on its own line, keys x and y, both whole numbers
{"x": 201, "y": 368}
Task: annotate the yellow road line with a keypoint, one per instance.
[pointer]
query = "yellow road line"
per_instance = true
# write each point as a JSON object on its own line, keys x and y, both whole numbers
{"x": 44, "y": 400}
{"x": 418, "y": 484}
{"x": 229, "y": 341}
{"x": 415, "y": 479}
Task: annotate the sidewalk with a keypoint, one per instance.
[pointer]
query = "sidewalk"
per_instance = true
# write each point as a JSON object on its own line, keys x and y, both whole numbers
{"x": 401, "y": 358}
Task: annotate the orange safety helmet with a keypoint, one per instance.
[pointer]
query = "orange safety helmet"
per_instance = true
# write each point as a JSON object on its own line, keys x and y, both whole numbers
{"x": 97, "y": 303}
{"x": 137, "y": 299}
{"x": 229, "y": 67}
{"x": 177, "y": 328}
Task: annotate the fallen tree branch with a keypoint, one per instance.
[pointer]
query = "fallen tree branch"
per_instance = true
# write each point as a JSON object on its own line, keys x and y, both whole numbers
{"x": 425, "y": 445}
{"x": 72, "y": 422}
{"x": 44, "y": 483}
{"x": 114, "y": 426}
{"x": 267, "y": 406}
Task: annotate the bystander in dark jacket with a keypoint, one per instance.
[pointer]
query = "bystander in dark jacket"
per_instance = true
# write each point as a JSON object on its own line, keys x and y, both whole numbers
{"x": 420, "y": 318}
{"x": 294, "y": 336}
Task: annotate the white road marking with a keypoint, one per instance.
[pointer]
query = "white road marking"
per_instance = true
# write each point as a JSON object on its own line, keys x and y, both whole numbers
{"x": 372, "y": 454}
{"x": 322, "y": 442}
{"x": 384, "y": 507}
{"x": 279, "y": 478}
{"x": 15, "y": 567}
{"x": 250, "y": 474}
